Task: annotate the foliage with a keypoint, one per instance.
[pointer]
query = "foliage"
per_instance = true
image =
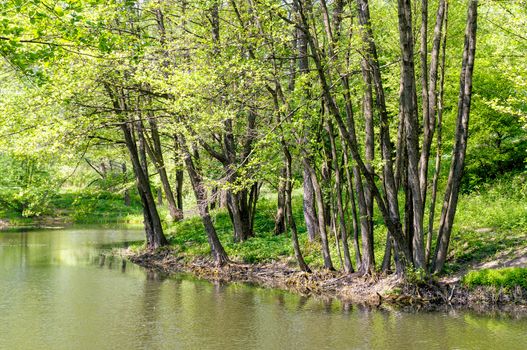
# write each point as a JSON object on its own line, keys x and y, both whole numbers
{"x": 507, "y": 278}
{"x": 27, "y": 184}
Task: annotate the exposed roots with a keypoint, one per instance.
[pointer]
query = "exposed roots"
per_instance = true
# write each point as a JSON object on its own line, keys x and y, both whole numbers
{"x": 375, "y": 290}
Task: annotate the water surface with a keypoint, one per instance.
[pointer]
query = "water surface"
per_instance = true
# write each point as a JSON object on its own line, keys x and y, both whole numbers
{"x": 58, "y": 292}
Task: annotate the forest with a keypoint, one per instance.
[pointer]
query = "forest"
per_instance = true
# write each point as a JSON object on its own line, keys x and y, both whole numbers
{"x": 359, "y": 136}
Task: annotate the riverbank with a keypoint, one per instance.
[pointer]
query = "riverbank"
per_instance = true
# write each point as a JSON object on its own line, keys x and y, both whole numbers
{"x": 73, "y": 207}
{"x": 383, "y": 291}
{"x": 495, "y": 240}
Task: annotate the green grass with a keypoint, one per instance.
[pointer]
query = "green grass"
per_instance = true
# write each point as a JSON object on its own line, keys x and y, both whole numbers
{"x": 82, "y": 207}
{"x": 501, "y": 204}
{"x": 489, "y": 221}
{"x": 95, "y": 207}
{"x": 507, "y": 278}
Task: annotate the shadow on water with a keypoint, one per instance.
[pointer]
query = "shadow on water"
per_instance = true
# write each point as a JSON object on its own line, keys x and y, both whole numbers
{"x": 150, "y": 308}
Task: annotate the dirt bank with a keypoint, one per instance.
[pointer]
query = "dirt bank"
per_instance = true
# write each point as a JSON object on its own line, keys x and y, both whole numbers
{"x": 380, "y": 291}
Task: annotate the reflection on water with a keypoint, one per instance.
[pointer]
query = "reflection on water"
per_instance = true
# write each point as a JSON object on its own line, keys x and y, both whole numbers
{"x": 58, "y": 291}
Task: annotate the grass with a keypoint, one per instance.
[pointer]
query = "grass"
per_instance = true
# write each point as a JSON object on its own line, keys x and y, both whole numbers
{"x": 507, "y": 278}
{"x": 95, "y": 207}
{"x": 82, "y": 207}
{"x": 488, "y": 222}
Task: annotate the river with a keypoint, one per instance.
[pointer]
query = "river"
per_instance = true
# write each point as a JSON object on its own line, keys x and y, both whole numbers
{"x": 58, "y": 292}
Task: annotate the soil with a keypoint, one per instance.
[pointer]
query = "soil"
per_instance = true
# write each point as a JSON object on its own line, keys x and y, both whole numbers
{"x": 383, "y": 291}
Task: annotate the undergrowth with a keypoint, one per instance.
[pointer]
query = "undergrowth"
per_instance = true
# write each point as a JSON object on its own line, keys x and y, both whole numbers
{"x": 507, "y": 278}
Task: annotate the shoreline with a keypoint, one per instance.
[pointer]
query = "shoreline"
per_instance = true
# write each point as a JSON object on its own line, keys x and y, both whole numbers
{"x": 379, "y": 291}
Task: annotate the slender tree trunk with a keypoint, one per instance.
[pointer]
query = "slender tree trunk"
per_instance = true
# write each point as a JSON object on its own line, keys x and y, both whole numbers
{"x": 367, "y": 109}
{"x": 460, "y": 147}
{"x": 179, "y": 176}
{"x": 437, "y": 167}
{"x": 218, "y": 253}
{"x": 409, "y": 113}
{"x": 309, "y": 207}
{"x": 289, "y": 210}
{"x": 159, "y": 193}
{"x": 156, "y": 154}
{"x": 387, "y": 259}
{"x": 279, "y": 222}
{"x": 354, "y": 219}
{"x": 153, "y": 227}
{"x": 348, "y": 267}
{"x": 127, "y": 200}
{"x": 236, "y": 217}
{"x": 423, "y": 53}
{"x": 368, "y": 258}
{"x": 179, "y": 190}
{"x": 319, "y": 199}
{"x": 310, "y": 215}
{"x": 429, "y": 108}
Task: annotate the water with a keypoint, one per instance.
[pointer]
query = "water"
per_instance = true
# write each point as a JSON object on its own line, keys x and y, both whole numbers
{"x": 56, "y": 292}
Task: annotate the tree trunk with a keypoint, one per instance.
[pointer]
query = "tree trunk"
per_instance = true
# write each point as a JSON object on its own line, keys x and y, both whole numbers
{"x": 156, "y": 154}
{"x": 460, "y": 147}
{"x": 234, "y": 211}
{"x": 354, "y": 219}
{"x": 409, "y": 113}
{"x": 153, "y": 227}
{"x": 437, "y": 168}
{"x": 348, "y": 267}
{"x": 309, "y": 207}
{"x": 368, "y": 258}
{"x": 159, "y": 194}
{"x": 289, "y": 210}
{"x": 127, "y": 200}
{"x": 319, "y": 199}
{"x": 369, "y": 137}
{"x": 429, "y": 111}
{"x": 218, "y": 253}
{"x": 179, "y": 191}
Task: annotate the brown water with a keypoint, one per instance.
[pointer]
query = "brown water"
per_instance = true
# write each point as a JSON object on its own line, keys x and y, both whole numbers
{"x": 56, "y": 292}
